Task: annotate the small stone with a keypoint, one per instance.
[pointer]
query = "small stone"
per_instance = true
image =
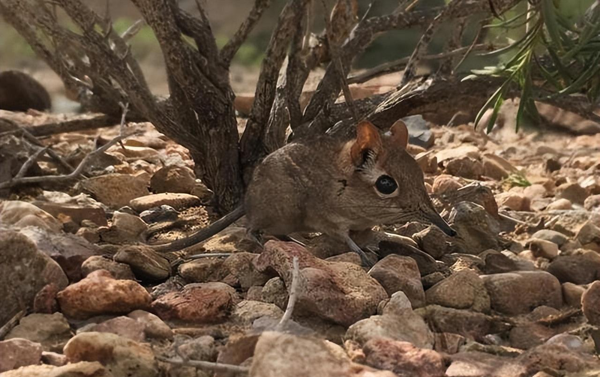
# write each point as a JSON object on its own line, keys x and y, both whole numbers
{"x": 419, "y": 131}
{"x": 403, "y": 358}
{"x": 588, "y": 233}
{"x": 100, "y": 293}
{"x": 513, "y": 201}
{"x": 146, "y": 264}
{"x": 123, "y": 326}
{"x": 274, "y": 292}
{"x": 242, "y": 271}
{"x": 496, "y": 167}
{"x": 16, "y": 353}
{"x": 53, "y": 358}
{"x": 480, "y": 364}
{"x": 246, "y": 312}
{"x": 78, "y": 213}
{"x": 202, "y": 270}
{"x": 114, "y": 190}
{"x": 543, "y": 249}
{"x": 125, "y": 228}
{"x": 592, "y": 203}
{"x": 173, "y": 178}
{"x": 535, "y": 191}
{"x": 158, "y": 214}
{"x": 445, "y": 183}
{"x": 52, "y": 331}
{"x": 573, "y": 192}
{"x": 464, "y": 167}
{"x": 560, "y": 204}
{"x": 176, "y": 200}
{"x": 528, "y": 335}
{"x": 578, "y": 269}
{"x": 45, "y": 300}
{"x": 197, "y": 303}
{"x": 467, "y": 323}
{"x": 397, "y": 304}
{"x": 461, "y": 290}
{"x": 154, "y": 327}
{"x": 432, "y": 241}
{"x": 82, "y": 369}
{"x": 497, "y": 263}
{"x": 551, "y": 164}
{"x": 478, "y": 230}
{"x": 397, "y": 273}
{"x": 432, "y": 279}
{"x": 18, "y": 214}
{"x": 122, "y": 356}
{"x": 407, "y": 327}
{"x": 551, "y": 235}
{"x": 572, "y": 342}
{"x": 572, "y": 294}
{"x": 590, "y": 303}
{"x": 97, "y": 262}
{"x": 520, "y": 292}
{"x": 201, "y": 348}
{"x": 458, "y": 152}
{"x": 427, "y": 265}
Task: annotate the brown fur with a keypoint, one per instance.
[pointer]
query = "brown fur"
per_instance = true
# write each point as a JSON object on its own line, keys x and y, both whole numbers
{"x": 21, "y": 92}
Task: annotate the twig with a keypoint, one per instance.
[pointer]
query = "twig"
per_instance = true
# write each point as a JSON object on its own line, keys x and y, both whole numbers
{"x": 60, "y": 178}
{"x": 30, "y": 161}
{"x": 293, "y": 296}
{"x": 208, "y": 365}
{"x": 132, "y": 30}
{"x": 233, "y": 45}
{"x": 4, "y": 330}
{"x": 208, "y": 255}
{"x": 471, "y": 47}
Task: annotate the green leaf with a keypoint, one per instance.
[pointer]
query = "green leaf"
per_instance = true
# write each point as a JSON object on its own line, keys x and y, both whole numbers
{"x": 550, "y": 20}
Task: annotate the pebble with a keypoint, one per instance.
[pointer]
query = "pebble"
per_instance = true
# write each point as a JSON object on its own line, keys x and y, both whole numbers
{"x": 461, "y": 290}
{"x": 173, "y": 178}
{"x": 560, "y": 204}
{"x": 432, "y": 241}
{"x": 116, "y": 269}
{"x": 403, "y": 358}
{"x": 17, "y": 352}
{"x": 572, "y": 294}
{"x": 246, "y": 312}
{"x": 146, "y": 264}
{"x": 577, "y": 269}
{"x": 543, "y": 248}
{"x": 590, "y": 303}
{"x": 154, "y": 327}
{"x": 114, "y": 190}
{"x": 178, "y": 201}
{"x": 51, "y": 331}
{"x": 82, "y": 369}
{"x": 572, "y": 192}
{"x": 397, "y": 273}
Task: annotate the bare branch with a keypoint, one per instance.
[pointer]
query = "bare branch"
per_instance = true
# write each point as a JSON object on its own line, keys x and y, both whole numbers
{"x": 14, "y": 321}
{"x": 206, "y": 365}
{"x": 73, "y": 125}
{"x": 30, "y": 161}
{"x": 292, "y": 297}
{"x": 231, "y": 48}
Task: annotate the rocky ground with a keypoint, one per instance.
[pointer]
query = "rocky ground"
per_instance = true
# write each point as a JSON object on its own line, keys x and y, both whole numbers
{"x": 515, "y": 294}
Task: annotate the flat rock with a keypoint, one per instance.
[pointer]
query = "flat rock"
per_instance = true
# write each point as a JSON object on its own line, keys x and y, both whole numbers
{"x": 589, "y": 233}
{"x": 467, "y": 323}
{"x": 173, "y": 178}
{"x": 477, "y": 229}
{"x": 82, "y": 369}
{"x": 146, "y": 264}
{"x": 242, "y": 272}
{"x": 479, "y": 364}
{"x": 528, "y": 335}
{"x": 123, "y": 326}
{"x": 465, "y": 167}
{"x": 397, "y": 273}
{"x": 17, "y": 352}
{"x": 403, "y": 358}
{"x": 77, "y": 213}
{"x": 577, "y": 269}
{"x": 418, "y": 131}
{"x": 522, "y": 291}
{"x": 114, "y": 190}
{"x": 125, "y": 228}
{"x": 101, "y": 293}
{"x": 572, "y": 192}
{"x": 175, "y": 200}
{"x": 18, "y": 214}
{"x": 116, "y": 269}
{"x": 246, "y": 312}
{"x": 462, "y": 151}
{"x": 590, "y": 303}
{"x": 52, "y": 331}
{"x": 396, "y": 305}
{"x": 552, "y": 236}
{"x": 461, "y": 290}
{"x": 406, "y": 326}
{"x": 154, "y": 327}
{"x": 203, "y": 270}
{"x": 432, "y": 241}
{"x": 278, "y": 354}
{"x": 543, "y": 248}
{"x": 122, "y": 356}
{"x": 339, "y": 292}
{"x": 24, "y": 271}
{"x": 426, "y": 263}
{"x": 197, "y": 303}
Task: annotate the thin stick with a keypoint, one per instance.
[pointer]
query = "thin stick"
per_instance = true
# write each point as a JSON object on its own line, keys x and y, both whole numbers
{"x": 208, "y": 365}
{"x": 30, "y": 161}
{"x": 4, "y": 330}
{"x": 292, "y": 296}
{"x": 470, "y": 49}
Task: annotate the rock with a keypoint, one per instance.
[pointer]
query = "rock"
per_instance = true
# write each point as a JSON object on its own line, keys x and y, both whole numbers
{"x": 16, "y": 353}
{"x": 496, "y": 262}
{"x": 573, "y": 192}
{"x": 427, "y": 265}
{"x": 551, "y": 235}
{"x": 406, "y": 326}
{"x": 513, "y": 201}
{"x": 114, "y": 190}
{"x": 78, "y": 213}
{"x": 461, "y": 290}
{"x": 100, "y": 293}
{"x": 53, "y": 358}
{"x": 520, "y": 292}
{"x": 543, "y": 249}
{"x": 52, "y": 331}
{"x": 572, "y": 342}
{"x": 432, "y": 279}
{"x": 560, "y": 204}
{"x": 122, "y": 356}
{"x": 21, "y": 92}
{"x": 496, "y": 167}
{"x": 203, "y": 270}
{"x": 397, "y": 273}
{"x": 176, "y": 200}
{"x": 201, "y": 348}
{"x": 24, "y": 271}
{"x": 339, "y": 292}
{"x": 97, "y": 262}
{"x": 467, "y": 323}
{"x": 464, "y": 167}
{"x": 126, "y": 228}
{"x": 448, "y": 343}
{"x": 535, "y": 191}
{"x": 592, "y": 203}
{"x": 18, "y": 214}
{"x": 68, "y": 250}
{"x": 123, "y": 326}
{"x": 83, "y": 369}
{"x": 458, "y": 152}
{"x": 173, "y": 178}
{"x": 45, "y": 300}
{"x": 154, "y": 327}
{"x": 418, "y": 131}
{"x": 572, "y": 294}
{"x": 444, "y": 184}
{"x": 173, "y": 284}
{"x": 403, "y": 358}
{"x": 274, "y": 292}
{"x": 242, "y": 272}
{"x": 578, "y": 269}
{"x": 397, "y": 304}
{"x": 246, "y": 312}
{"x": 477, "y": 229}
{"x": 588, "y": 233}
{"x": 590, "y": 303}
{"x": 197, "y": 303}
{"x": 432, "y": 241}
{"x": 427, "y": 162}
{"x": 146, "y": 264}
{"x": 480, "y": 364}
{"x": 559, "y": 358}
{"x": 528, "y": 335}
{"x": 277, "y": 354}
{"x": 350, "y": 257}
